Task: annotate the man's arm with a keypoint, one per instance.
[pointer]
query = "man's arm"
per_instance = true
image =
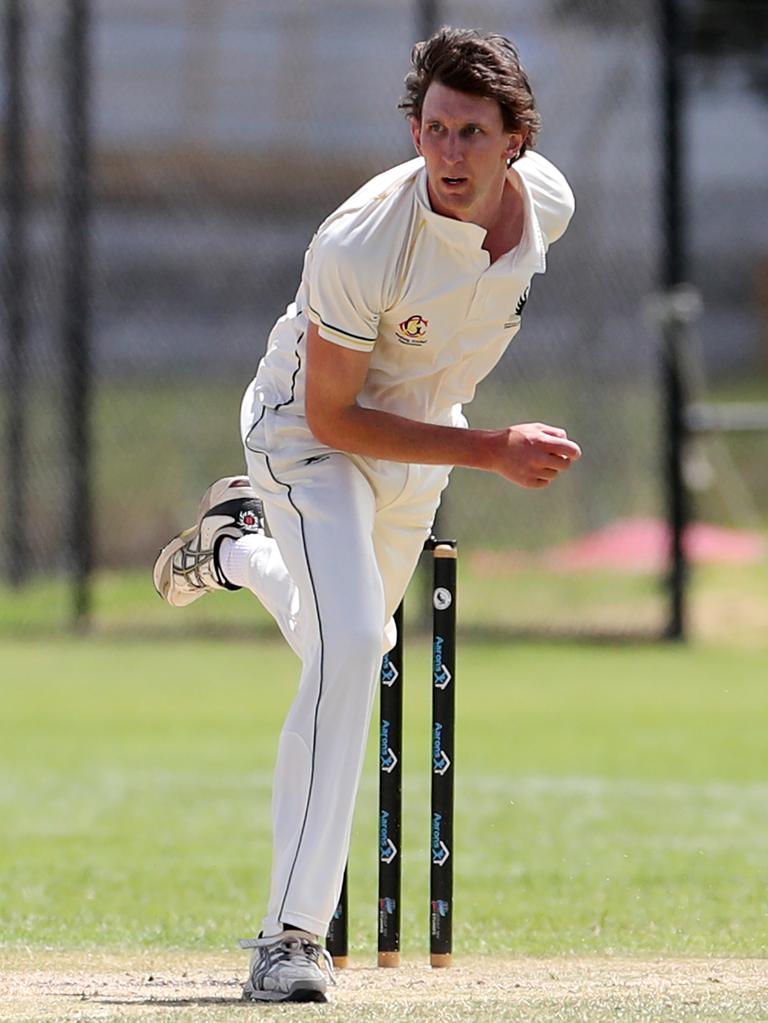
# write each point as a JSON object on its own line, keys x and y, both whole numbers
{"x": 530, "y": 454}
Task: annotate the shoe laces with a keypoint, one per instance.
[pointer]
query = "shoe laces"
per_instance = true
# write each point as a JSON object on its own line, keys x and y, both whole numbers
{"x": 190, "y": 562}
{"x": 294, "y": 946}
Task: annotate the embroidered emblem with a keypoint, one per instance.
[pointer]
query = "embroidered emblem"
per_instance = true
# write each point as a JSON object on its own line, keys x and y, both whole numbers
{"x": 413, "y": 331}
{"x": 249, "y": 520}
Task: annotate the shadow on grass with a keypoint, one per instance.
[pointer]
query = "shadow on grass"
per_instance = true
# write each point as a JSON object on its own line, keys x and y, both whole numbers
{"x": 172, "y": 1002}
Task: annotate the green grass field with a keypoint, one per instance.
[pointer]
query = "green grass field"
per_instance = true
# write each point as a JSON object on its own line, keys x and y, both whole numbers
{"x": 727, "y": 604}
{"x": 609, "y": 800}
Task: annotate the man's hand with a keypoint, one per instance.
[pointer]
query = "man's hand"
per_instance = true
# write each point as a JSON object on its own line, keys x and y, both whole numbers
{"x": 533, "y": 454}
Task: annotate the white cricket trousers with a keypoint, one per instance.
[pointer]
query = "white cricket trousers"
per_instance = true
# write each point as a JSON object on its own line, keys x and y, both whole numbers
{"x": 348, "y": 532}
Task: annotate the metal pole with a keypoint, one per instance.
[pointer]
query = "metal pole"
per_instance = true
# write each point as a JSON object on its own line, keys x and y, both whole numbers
{"x": 76, "y": 316}
{"x": 14, "y": 296}
{"x": 428, "y": 17}
{"x": 674, "y": 264}
{"x": 428, "y": 14}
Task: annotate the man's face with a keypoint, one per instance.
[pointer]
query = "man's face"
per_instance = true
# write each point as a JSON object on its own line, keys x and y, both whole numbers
{"x": 465, "y": 147}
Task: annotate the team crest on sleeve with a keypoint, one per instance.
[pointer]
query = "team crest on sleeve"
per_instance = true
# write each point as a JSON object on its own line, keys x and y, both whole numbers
{"x": 413, "y": 331}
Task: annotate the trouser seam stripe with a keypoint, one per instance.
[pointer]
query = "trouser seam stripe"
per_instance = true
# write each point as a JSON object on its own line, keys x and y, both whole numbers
{"x": 289, "y": 492}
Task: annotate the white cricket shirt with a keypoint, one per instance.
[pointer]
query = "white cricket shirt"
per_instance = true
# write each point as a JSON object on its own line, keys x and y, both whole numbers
{"x": 386, "y": 274}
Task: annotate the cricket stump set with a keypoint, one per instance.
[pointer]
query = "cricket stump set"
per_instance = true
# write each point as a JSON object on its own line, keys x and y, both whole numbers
{"x": 390, "y": 782}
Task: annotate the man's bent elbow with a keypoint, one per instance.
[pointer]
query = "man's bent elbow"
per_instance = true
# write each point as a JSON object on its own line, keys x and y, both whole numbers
{"x": 324, "y": 427}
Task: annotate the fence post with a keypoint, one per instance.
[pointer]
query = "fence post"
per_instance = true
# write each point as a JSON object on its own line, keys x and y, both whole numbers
{"x": 14, "y": 294}
{"x": 76, "y": 297}
{"x": 673, "y": 274}
{"x": 428, "y": 15}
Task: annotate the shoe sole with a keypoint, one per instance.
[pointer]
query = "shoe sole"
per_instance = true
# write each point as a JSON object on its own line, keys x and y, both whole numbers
{"x": 296, "y": 994}
{"x": 161, "y": 570}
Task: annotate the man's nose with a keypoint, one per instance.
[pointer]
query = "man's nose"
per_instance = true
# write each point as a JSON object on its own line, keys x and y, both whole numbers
{"x": 453, "y": 151}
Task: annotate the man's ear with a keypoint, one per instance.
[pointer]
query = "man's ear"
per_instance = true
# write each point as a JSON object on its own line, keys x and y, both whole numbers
{"x": 514, "y": 145}
{"x": 416, "y": 133}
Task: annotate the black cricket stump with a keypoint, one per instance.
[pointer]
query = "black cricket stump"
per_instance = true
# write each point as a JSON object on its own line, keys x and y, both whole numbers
{"x": 337, "y": 939}
{"x": 390, "y": 799}
{"x": 443, "y": 728}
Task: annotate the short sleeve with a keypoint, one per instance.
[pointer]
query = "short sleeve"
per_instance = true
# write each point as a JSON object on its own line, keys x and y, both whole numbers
{"x": 552, "y": 195}
{"x": 344, "y": 294}
{"x": 556, "y": 215}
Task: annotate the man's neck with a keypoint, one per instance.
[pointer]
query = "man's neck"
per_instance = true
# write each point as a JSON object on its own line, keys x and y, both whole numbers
{"x": 505, "y": 230}
{"x": 501, "y": 216}
{"x": 487, "y": 215}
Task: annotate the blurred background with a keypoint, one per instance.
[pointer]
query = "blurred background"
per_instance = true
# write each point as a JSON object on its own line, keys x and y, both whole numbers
{"x": 165, "y": 165}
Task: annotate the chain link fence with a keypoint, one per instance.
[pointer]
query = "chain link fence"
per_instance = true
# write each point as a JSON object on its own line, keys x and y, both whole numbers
{"x": 221, "y": 135}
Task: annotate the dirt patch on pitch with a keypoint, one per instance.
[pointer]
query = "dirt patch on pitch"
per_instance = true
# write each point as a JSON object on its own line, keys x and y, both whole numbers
{"x": 48, "y": 987}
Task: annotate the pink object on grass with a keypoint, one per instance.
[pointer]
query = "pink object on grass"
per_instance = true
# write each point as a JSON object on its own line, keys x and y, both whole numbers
{"x": 643, "y": 545}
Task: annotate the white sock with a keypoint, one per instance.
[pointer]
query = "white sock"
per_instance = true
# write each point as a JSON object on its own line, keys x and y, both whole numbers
{"x": 255, "y": 562}
{"x": 234, "y": 557}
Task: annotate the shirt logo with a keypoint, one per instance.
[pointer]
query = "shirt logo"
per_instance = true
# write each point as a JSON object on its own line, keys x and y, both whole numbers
{"x": 516, "y": 317}
{"x": 413, "y": 331}
{"x": 521, "y": 301}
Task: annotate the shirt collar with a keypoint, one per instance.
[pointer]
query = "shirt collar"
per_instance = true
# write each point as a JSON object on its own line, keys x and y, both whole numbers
{"x": 455, "y": 232}
{"x": 530, "y": 254}
{"x": 532, "y": 250}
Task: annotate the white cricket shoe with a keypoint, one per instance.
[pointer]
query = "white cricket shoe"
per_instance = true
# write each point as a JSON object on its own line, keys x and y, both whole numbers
{"x": 286, "y": 968}
{"x": 187, "y": 567}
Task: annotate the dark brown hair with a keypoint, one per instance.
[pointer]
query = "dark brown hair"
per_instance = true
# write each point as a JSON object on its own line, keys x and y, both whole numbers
{"x": 480, "y": 63}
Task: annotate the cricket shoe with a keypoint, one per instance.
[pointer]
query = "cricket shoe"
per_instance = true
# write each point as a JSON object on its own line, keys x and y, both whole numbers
{"x": 188, "y": 567}
{"x": 286, "y": 968}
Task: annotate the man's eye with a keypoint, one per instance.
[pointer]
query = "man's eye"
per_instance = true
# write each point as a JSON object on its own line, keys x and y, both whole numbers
{"x": 435, "y": 128}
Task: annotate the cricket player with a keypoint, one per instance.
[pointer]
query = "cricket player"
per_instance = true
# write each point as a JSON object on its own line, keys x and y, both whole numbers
{"x": 410, "y": 293}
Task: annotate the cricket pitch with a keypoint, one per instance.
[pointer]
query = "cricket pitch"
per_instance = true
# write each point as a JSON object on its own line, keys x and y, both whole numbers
{"x": 44, "y": 986}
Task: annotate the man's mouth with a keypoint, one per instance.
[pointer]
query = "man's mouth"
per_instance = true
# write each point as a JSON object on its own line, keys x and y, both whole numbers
{"x": 454, "y": 181}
